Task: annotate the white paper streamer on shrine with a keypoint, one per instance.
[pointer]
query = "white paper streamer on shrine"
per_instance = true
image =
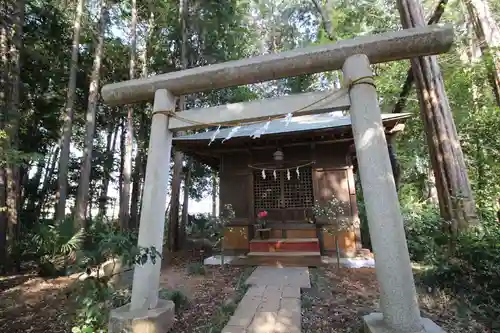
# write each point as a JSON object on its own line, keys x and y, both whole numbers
{"x": 231, "y": 133}
{"x": 288, "y": 119}
{"x": 212, "y": 139}
{"x": 288, "y": 170}
{"x": 257, "y": 134}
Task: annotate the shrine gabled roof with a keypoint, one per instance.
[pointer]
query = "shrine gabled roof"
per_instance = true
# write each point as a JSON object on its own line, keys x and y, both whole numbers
{"x": 297, "y": 124}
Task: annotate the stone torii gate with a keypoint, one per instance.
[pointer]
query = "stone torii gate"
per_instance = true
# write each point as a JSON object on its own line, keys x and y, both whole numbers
{"x": 398, "y": 300}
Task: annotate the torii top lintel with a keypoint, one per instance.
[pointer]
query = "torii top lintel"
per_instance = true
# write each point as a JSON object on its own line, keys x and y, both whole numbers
{"x": 397, "y": 45}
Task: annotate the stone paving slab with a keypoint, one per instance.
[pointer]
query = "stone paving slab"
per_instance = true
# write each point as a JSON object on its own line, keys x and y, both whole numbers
{"x": 286, "y": 276}
{"x": 272, "y": 303}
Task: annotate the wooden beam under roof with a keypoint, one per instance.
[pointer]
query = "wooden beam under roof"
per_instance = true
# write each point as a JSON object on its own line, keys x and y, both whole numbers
{"x": 300, "y": 104}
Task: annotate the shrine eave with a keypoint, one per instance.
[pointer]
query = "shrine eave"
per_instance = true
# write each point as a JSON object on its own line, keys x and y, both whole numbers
{"x": 300, "y": 130}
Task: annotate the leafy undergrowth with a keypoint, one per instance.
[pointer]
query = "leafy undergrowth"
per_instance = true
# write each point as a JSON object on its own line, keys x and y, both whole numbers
{"x": 339, "y": 298}
{"x": 31, "y": 304}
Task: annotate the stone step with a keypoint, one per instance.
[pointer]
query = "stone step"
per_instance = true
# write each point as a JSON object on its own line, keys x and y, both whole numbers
{"x": 286, "y": 254}
{"x": 285, "y": 245}
{"x": 285, "y": 240}
{"x": 280, "y": 259}
{"x": 285, "y": 259}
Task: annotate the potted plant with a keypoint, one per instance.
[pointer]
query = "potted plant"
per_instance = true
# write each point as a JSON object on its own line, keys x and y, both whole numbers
{"x": 334, "y": 213}
{"x": 263, "y": 232}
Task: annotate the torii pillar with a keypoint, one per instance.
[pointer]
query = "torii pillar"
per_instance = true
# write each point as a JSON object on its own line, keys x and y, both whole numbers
{"x": 398, "y": 299}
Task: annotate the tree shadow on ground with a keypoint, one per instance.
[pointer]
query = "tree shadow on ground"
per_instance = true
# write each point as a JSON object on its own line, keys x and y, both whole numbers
{"x": 11, "y": 281}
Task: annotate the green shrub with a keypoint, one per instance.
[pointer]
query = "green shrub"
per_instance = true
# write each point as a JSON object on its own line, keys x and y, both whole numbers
{"x": 424, "y": 232}
{"x": 180, "y": 300}
{"x": 53, "y": 247}
{"x": 196, "y": 268}
{"x": 472, "y": 272}
{"x": 95, "y": 297}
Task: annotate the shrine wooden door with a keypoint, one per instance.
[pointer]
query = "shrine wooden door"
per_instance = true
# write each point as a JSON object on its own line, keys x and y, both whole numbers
{"x": 287, "y": 195}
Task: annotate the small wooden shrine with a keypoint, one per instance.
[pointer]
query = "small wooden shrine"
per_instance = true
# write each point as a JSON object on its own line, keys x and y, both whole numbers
{"x": 284, "y": 172}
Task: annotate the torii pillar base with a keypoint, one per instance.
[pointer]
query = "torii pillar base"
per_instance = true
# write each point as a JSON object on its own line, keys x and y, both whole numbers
{"x": 157, "y": 320}
{"x": 374, "y": 323}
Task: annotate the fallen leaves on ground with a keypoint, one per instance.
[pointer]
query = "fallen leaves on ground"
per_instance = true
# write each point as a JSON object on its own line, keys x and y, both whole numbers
{"x": 31, "y": 304}
{"x": 36, "y": 305}
{"x": 340, "y": 297}
{"x": 207, "y": 296}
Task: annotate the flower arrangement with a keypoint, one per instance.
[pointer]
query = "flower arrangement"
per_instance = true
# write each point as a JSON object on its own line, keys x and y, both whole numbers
{"x": 262, "y": 231}
{"x": 261, "y": 217}
{"x": 333, "y": 212}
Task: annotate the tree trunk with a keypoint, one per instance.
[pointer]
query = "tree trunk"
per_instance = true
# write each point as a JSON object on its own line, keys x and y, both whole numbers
{"x": 142, "y": 144}
{"x": 34, "y": 188}
{"x": 431, "y": 194}
{"x": 62, "y": 192}
{"x": 144, "y": 163}
{"x": 488, "y": 35}
{"x": 407, "y": 85}
{"x": 124, "y": 215}
{"x": 4, "y": 92}
{"x": 174, "y": 201}
{"x": 178, "y": 156}
{"x": 3, "y": 223}
{"x": 83, "y": 188}
{"x": 326, "y": 13}
{"x": 395, "y": 165}
{"x": 138, "y": 172}
{"x": 214, "y": 193}
{"x": 46, "y": 182}
{"x": 455, "y": 195}
{"x": 108, "y": 168}
{"x": 473, "y": 54}
{"x": 12, "y": 170}
{"x": 136, "y": 188}
{"x": 122, "y": 162}
{"x": 185, "y": 205}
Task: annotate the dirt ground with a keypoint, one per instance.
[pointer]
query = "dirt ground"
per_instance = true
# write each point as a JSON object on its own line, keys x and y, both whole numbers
{"x": 338, "y": 299}
{"x": 335, "y": 303}
{"x": 30, "y": 304}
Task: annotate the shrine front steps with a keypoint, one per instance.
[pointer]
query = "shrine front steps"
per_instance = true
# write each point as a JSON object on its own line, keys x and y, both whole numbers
{"x": 289, "y": 252}
{"x": 284, "y": 245}
{"x": 280, "y": 259}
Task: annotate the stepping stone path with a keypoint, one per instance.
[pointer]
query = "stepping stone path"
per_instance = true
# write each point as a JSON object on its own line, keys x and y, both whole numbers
{"x": 272, "y": 303}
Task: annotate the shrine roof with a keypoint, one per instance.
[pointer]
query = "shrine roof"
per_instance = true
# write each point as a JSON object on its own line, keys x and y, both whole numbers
{"x": 297, "y": 124}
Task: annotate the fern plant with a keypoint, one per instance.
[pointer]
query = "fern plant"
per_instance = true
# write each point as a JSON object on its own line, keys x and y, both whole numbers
{"x": 54, "y": 247}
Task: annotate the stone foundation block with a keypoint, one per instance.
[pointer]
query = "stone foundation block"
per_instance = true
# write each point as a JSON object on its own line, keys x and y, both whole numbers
{"x": 121, "y": 275}
{"x": 157, "y": 320}
{"x": 374, "y": 323}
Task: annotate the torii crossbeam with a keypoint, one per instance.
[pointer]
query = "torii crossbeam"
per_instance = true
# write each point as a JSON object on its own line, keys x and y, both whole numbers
{"x": 400, "y": 311}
